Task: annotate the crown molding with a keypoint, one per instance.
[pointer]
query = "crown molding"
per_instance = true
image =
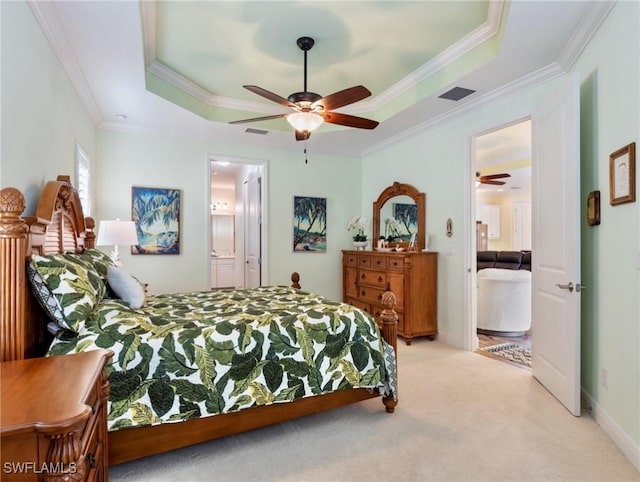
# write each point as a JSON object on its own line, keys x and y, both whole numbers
{"x": 584, "y": 32}
{"x": 442, "y": 60}
{"x": 47, "y": 18}
{"x": 475, "y": 38}
{"x": 179, "y": 81}
{"x": 515, "y": 87}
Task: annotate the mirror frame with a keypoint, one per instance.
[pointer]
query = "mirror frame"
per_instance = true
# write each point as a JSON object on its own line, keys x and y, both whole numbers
{"x": 400, "y": 189}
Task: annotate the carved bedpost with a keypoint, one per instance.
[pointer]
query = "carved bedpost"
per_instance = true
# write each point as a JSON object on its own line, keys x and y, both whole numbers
{"x": 295, "y": 280}
{"x": 90, "y": 238}
{"x": 389, "y": 319}
{"x": 13, "y": 251}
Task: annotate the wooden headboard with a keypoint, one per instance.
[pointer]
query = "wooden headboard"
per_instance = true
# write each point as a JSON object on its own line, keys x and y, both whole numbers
{"x": 59, "y": 226}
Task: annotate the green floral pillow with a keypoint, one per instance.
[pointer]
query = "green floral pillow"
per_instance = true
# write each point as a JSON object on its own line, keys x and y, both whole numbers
{"x": 98, "y": 259}
{"x": 100, "y": 262}
{"x": 74, "y": 285}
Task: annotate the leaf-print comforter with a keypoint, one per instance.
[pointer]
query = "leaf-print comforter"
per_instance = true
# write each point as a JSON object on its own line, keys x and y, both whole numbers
{"x": 196, "y": 354}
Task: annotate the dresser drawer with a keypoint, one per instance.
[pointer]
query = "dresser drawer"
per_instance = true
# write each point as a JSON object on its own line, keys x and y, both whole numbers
{"x": 395, "y": 262}
{"x": 369, "y": 277}
{"x": 378, "y": 262}
{"x": 94, "y": 455}
{"x": 351, "y": 260}
{"x": 364, "y": 261}
{"x": 94, "y": 402}
{"x": 370, "y": 294}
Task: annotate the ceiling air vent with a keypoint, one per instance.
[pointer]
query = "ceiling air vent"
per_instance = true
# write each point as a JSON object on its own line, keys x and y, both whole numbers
{"x": 456, "y": 93}
{"x": 251, "y": 130}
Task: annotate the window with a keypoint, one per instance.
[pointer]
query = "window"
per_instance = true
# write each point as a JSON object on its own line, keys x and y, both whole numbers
{"x": 83, "y": 179}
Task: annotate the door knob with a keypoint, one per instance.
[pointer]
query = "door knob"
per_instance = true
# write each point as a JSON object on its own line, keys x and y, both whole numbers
{"x": 566, "y": 287}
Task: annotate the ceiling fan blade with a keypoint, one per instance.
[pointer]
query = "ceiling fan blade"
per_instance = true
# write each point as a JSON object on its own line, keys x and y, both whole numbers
{"x": 257, "y": 119}
{"x": 495, "y": 183}
{"x": 302, "y": 135}
{"x": 270, "y": 95}
{"x": 343, "y": 97}
{"x": 349, "y": 120}
{"x": 496, "y": 176}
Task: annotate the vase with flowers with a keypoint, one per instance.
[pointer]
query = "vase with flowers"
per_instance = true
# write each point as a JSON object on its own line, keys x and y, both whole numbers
{"x": 359, "y": 224}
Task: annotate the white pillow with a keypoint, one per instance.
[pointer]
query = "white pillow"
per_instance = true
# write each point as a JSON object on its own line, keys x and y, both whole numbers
{"x": 126, "y": 287}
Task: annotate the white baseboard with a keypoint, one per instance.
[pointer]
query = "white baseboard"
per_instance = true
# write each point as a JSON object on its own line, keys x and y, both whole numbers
{"x": 629, "y": 448}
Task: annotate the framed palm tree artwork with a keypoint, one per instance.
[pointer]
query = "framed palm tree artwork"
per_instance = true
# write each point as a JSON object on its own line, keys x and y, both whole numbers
{"x": 406, "y": 216}
{"x": 156, "y": 214}
{"x": 309, "y": 224}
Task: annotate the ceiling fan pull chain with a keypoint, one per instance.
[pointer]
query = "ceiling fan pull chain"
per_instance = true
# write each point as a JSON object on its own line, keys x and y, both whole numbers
{"x": 306, "y": 161}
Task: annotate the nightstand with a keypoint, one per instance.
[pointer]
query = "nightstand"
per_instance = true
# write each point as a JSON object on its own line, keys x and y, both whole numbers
{"x": 53, "y": 421}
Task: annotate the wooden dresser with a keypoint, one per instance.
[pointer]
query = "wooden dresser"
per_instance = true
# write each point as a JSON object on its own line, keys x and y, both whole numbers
{"x": 412, "y": 277}
{"x": 53, "y": 421}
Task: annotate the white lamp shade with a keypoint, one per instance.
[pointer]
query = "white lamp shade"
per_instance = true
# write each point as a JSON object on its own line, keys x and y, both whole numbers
{"x": 113, "y": 233}
{"x": 305, "y": 121}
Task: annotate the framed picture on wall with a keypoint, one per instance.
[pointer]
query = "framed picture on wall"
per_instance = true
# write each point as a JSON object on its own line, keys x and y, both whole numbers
{"x": 156, "y": 214}
{"x": 309, "y": 224}
{"x": 622, "y": 175}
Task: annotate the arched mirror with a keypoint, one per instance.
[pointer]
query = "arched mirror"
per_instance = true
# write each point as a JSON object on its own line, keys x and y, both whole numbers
{"x": 399, "y": 214}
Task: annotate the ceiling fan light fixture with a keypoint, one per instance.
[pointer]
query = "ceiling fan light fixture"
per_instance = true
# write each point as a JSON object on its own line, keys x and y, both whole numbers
{"x": 305, "y": 121}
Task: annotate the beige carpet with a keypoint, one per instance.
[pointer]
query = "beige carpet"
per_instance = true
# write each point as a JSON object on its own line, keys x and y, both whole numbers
{"x": 461, "y": 417}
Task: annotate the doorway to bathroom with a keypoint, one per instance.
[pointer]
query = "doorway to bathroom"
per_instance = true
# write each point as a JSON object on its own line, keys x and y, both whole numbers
{"x": 237, "y": 224}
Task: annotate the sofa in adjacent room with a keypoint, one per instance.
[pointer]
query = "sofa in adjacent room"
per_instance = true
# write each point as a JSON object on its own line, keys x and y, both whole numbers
{"x": 504, "y": 292}
{"x": 504, "y": 259}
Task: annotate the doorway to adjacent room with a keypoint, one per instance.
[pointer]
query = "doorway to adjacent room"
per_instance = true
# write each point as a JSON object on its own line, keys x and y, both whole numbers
{"x": 502, "y": 162}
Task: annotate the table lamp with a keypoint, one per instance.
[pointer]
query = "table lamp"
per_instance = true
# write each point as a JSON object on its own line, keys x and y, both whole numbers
{"x": 115, "y": 233}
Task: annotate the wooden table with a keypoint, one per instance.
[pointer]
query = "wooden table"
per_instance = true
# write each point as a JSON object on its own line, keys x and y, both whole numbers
{"x": 53, "y": 418}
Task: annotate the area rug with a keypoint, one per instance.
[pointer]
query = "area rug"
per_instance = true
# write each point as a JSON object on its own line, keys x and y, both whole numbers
{"x": 512, "y": 352}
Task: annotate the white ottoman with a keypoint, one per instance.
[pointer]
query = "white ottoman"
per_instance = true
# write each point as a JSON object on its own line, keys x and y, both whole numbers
{"x": 504, "y": 301}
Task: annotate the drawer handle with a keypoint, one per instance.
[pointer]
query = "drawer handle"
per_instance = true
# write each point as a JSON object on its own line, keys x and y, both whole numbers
{"x": 364, "y": 293}
{"x": 363, "y": 276}
{"x": 91, "y": 460}
{"x": 93, "y": 409}
{"x": 379, "y": 297}
{"x": 380, "y": 279}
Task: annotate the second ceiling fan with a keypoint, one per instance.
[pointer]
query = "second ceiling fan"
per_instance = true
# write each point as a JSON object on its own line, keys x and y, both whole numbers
{"x": 491, "y": 178}
{"x": 310, "y": 110}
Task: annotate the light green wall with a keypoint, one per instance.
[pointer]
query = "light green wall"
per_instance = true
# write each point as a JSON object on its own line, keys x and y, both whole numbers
{"x": 126, "y": 159}
{"x": 42, "y": 116}
{"x": 610, "y": 102}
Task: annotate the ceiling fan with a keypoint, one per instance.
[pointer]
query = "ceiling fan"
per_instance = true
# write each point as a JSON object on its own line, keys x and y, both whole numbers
{"x": 491, "y": 178}
{"x": 310, "y": 110}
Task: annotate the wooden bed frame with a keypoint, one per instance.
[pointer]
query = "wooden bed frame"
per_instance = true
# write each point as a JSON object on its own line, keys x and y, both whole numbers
{"x": 59, "y": 226}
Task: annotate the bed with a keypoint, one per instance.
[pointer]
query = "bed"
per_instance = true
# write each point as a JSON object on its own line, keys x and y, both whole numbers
{"x": 187, "y": 367}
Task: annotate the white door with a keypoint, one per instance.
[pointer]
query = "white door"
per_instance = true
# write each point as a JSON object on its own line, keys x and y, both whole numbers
{"x": 522, "y": 226}
{"x": 252, "y": 232}
{"x": 556, "y": 245}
